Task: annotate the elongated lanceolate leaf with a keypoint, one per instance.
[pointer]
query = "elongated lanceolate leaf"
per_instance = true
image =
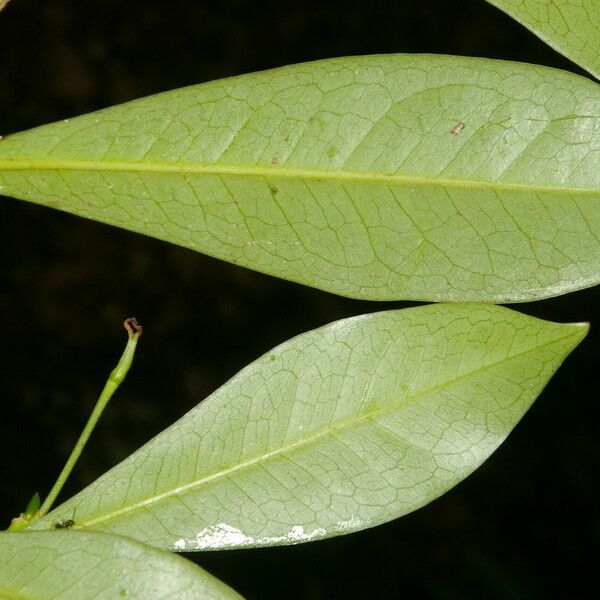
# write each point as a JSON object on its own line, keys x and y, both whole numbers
{"x": 572, "y": 27}
{"x": 69, "y": 565}
{"x": 334, "y": 431}
{"x": 380, "y": 177}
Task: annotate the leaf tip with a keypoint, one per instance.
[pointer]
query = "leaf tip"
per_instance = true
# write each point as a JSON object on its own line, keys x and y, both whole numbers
{"x": 579, "y": 331}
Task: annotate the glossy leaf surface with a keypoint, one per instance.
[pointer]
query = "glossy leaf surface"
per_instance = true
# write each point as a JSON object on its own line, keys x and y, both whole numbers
{"x": 572, "y": 27}
{"x": 379, "y": 177}
{"x": 334, "y": 431}
{"x": 88, "y": 565}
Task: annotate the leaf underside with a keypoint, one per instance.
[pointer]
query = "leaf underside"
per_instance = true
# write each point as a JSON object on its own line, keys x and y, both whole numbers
{"x": 334, "y": 431}
{"x": 88, "y": 565}
{"x": 380, "y": 177}
{"x": 571, "y": 27}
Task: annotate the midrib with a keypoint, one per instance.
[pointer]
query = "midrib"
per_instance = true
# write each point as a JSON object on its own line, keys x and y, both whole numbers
{"x": 304, "y": 441}
{"x": 272, "y": 172}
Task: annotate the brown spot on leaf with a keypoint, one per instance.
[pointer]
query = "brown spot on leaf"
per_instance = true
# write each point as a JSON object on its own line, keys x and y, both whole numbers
{"x": 457, "y": 128}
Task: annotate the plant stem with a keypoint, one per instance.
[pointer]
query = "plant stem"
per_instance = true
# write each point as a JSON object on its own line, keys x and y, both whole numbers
{"x": 134, "y": 330}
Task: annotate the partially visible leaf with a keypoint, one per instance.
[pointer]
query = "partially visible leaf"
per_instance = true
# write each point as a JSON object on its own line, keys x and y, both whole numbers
{"x": 572, "y": 27}
{"x": 89, "y": 565}
{"x": 3, "y": 3}
{"x": 379, "y": 177}
{"x": 336, "y": 430}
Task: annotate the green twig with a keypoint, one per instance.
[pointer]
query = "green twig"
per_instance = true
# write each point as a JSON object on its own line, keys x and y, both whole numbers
{"x": 134, "y": 330}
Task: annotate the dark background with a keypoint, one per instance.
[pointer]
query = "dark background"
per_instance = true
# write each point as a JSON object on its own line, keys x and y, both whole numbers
{"x": 524, "y": 526}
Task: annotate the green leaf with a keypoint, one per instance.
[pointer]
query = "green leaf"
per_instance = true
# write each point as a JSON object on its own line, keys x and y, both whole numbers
{"x": 571, "y": 27}
{"x": 379, "y": 177}
{"x": 81, "y": 565}
{"x": 334, "y": 431}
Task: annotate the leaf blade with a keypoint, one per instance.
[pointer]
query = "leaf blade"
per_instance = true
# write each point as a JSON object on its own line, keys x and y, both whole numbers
{"x": 339, "y": 429}
{"x": 344, "y": 175}
{"x": 86, "y": 565}
{"x": 571, "y": 28}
